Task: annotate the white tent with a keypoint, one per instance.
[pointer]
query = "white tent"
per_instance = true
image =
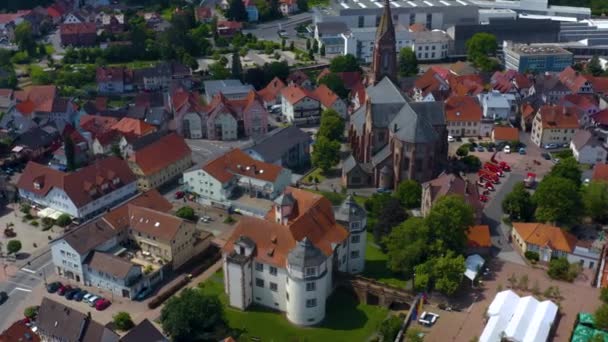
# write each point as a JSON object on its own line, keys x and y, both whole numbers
{"x": 524, "y": 312}
{"x": 500, "y": 311}
{"x": 540, "y": 324}
{"x": 504, "y": 301}
{"x": 473, "y": 263}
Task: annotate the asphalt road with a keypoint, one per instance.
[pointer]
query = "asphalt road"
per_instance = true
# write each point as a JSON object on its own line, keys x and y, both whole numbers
{"x": 269, "y": 31}
{"x": 205, "y": 150}
{"x": 19, "y": 286}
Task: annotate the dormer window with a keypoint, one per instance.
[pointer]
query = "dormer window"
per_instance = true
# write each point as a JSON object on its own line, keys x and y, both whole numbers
{"x": 311, "y": 271}
{"x": 93, "y": 192}
{"x": 37, "y": 185}
{"x": 104, "y": 186}
{"x": 116, "y": 180}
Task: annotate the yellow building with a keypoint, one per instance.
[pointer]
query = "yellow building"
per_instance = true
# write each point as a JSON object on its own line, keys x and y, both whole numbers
{"x": 554, "y": 125}
{"x": 160, "y": 162}
{"x": 546, "y": 240}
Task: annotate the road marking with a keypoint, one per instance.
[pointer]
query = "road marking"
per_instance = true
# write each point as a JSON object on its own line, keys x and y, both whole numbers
{"x": 15, "y": 283}
{"x": 28, "y": 270}
{"x": 19, "y": 289}
{"x": 45, "y": 265}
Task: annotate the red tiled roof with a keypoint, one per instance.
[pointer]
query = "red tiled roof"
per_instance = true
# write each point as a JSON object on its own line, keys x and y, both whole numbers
{"x": 297, "y": 77}
{"x": 53, "y": 12}
{"x": 600, "y": 172}
{"x": 582, "y": 101}
{"x": 272, "y": 89}
{"x": 19, "y": 332}
{"x": 418, "y": 27}
{"x": 78, "y": 184}
{"x": 118, "y": 217}
{"x": 572, "y": 79}
{"x": 238, "y": 162}
{"x": 466, "y": 85}
{"x": 462, "y": 108}
{"x": 6, "y": 18}
{"x": 133, "y": 127}
{"x": 542, "y": 235}
{"x": 479, "y": 236}
{"x": 172, "y": 148}
{"x": 600, "y": 83}
{"x": 161, "y": 225}
{"x": 78, "y": 28}
{"x": 506, "y": 133}
{"x": 430, "y": 81}
{"x": 325, "y": 95}
{"x": 97, "y": 124}
{"x": 557, "y": 117}
{"x": 203, "y": 12}
{"x": 42, "y": 97}
{"x": 227, "y": 24}
{"x": 4, "y": 92}
{"x": 600, "y": 117}
{"x": 294, "y": 94}
{"x": 527, "y": 110}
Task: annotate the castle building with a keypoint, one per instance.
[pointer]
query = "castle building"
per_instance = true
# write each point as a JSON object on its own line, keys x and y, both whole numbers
{"x": 287, "y": 260}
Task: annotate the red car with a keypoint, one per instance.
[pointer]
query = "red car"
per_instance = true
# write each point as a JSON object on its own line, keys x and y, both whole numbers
{"x": 102, "y": 304}
{"x": 483, "y": 198}
{"x": 489, "y": 186}
{"x": 63, "y": 289}
{"x": 179, "y": 195}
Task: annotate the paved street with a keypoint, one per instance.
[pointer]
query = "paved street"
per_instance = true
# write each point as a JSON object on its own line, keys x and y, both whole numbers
{"x": 205, "y": 150}
{"x": 268, "y": 31}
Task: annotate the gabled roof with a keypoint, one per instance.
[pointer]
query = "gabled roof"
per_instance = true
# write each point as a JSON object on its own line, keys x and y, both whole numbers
{"x": 298, "y": 77}
{"x": 583, "y": 138}
{"x": 544, "y": 235}
{"x": 506, "y": 133}
{"x": 600, "y": 172}
{"x": 272, "y": 89}
{"x": 19, "y": 332}
{"x": 82, "y": 186}
{"x": 109, "y": 264}
{"x": 37, "y": 99}
{"x": 161, "y": 225}
{"x": 449, "y": 184}
{"x": 479, "y": 236}
{"x": 572, "y": 79}
{"x": 557, "y": 117}
{"x": 144, "y": 331}
{"x": 599, "y": 83}
{"x": 6, "y": 18}
{"x": 459, "y": 68}
{"x": 78, "y": 28}
{"x": 114, "y": 74}
{"x": 466, "y": 85}
{"x": 582, "y": 101}
{"x": 294, "y": 94}
{"x": 462, "y": 108}
{"x": 161, "y": 154}
{"x": 237, "y": 162}
{"x": 600, "y": 117}
{"x": 326, "y": 96}
{"x": 278, "y": 142}
{"x": 180, "y": 98}
{"x": 432, "y": 81}
{"x": 133, "y": 127}
{"x": 97, "y": 124}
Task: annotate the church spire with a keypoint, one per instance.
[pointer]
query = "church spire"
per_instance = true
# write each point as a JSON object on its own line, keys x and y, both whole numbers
{"x": 385, "y": 52}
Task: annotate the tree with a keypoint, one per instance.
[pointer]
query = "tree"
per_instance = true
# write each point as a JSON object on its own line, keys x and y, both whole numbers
{"x": 291, "y": 46}
{"x": 331, "y": 126}
{"x": 122, "y": 320}
{"x": 236, "y": 10}
{"x": 344, "y": 63}
{"x": 409, "y": 193}
{"x": 187, "y": 213}
{"x": 406, "y": 245}
{"x": 219, "y": 71}
{"x": 595, "y": 200}
{"x": 472, "y": 163}
{"x": 389, "y": 328}
{"x": 70, "y": 153}
{"x": 558, "y": 268}
{"x": 315, "y": 46}
{"x": 13, "y": 247}
{"x": 567, "y": 168}
{"x": 335, "y": 83}
{"x": 302, "y": 5}
{"x": 307, "y": 44}
{"x": 479, "y": 47}
{"x": 322, "y": 50}
{"x": 594, "y": 67}
{"x": 448, "y": 272}
{"x": 604, "y": 295}
{"x": 63, "y": 220}
{"x": 193, "y": 316}
{"x": 408, "y": 63}
{"x": 414, "y": 335}
{"x": 601, "y": 317}
{"x": 325, "y": 153}
{"x": 518, "y": 204}
{"x": 557, "y": 200}
{"x": 24, "y": 37}
{"x": 283, "y": 44}
{"x": 237, "y": 68}
{"x": 391, "y": 215}
{"x": 30, "y": 312}
{"x": 449, "y": 220}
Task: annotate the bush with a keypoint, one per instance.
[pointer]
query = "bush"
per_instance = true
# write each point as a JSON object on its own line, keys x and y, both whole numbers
{"x": 13, "y": 247}
{"x": 63, "y": 220}
{"x": 47, "y": 223}
{"x": 122, "y": 320}
{"x": 25, "y": 208}
{"x": 229, "y": 220}
{"x": 187, "y": 213}
{"x": 532, "y": 256}
{"x": 463, "y": 150}
{"x": 561, "y": 269}
{"x": 472, "y": 163}
{"x": 28, "y": 216}
{"x": 390, "y": 327}
{"x": 35, "y": 223}
{"x": 30, "y": 312}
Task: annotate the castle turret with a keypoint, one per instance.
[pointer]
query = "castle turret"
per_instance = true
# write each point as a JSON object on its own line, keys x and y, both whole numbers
{"x": 354, "y": 218}
{"x": 283, "y": 207}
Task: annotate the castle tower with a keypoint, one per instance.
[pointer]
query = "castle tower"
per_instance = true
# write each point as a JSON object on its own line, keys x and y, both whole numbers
{"x": 384, "y": 62}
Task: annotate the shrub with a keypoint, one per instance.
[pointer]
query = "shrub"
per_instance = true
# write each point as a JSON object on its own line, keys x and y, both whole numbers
{"x": 25, "y": 208}
{"x": 187, "y": 213}
{"x": 532, "y": 256}
{"x": 28, "y": 216}
{"x": 122, "y": 320}
{"x": 229, "y": 220}
{"x": 389, "y": 328}
{"x": 463, "y": 150}
{"x": 13, "y": 247}
{"x": 561, "y": 269}
{"x": 35, "y": 223}
{"x": 63, "y": 220}
{"x": 47, "y": 223}
{"x": 30, "y": 312}
{"x": 472, "y": 163}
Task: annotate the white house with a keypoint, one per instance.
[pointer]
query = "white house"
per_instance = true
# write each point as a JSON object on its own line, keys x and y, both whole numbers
{"x": 587, "y": 148}
{"x": 286, "y": 261}
{"x": 300, "y": 106}
{"x": 430, "y": 45}
{"x": 83, "y": 193}
{"x": 330, "y": 100}
{"x": 496, "y": 105}
{"x": 218, "y": 180}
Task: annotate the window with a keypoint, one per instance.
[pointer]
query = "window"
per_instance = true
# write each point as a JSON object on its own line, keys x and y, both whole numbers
{"x": 273, "y": 287}
{"x": 355, "y": 239}
{"x": 287, "y": 296}
{"x": 273, "y": 270}
{"x": 311, "y": 286}
{"x": 311, "y": 303}
{"x": 259, "y": 267}
{"x": 259, "y": 282}
{"x": 311, "y": 271}
{"x": 354, "y": 254}
{"x": 354, "y": 225}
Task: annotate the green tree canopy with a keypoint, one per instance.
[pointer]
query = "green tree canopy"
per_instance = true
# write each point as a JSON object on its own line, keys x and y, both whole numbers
{"x": 389, "y": 328}
{"x": 408, "y": 63}
{"x": 518, "y": 204}
{"x": 70, "y": 153}
{"x": 219, "y": 71}
{"x": 557, "y": 200}
{"x": 601, "y": 317}
{"x": 409, "y": 193}
{"x": 595, "y": 200}
{"x": 332, "y": 125}
{"x": 479, "y": 47}
{"x": 407, "y": 245}
{"x": 187, "y": 213}
{"x": 604, "y": 295}
{"x": 63, "y": 220}
{"x": 567, "y": 168}
{"x": 24, "y": 37}
{"x": 449, "y": 221}
{"x": 193, "y": 316}
{"x": 344, "y": 63}
{"x": 237, "y": 67}
{"x": 335, "y": 83}
{"x": 236, "y": 10}
{"x": 122, "y": 320}
{"x": 391, "y": 215}
{"x": 325, "y": 153}
{"x": 594, "y": 67}
{"x": 443, "y": 273}
{"x": 13, "y": 247}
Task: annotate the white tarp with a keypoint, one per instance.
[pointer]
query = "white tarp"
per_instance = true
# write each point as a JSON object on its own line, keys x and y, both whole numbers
{"x": 49, "y": 212}
{"x": 473, "y": 265}
{"x": 504, "y": 301}
{"x": 524, "y": 312}
{"x": 541, "y": 323}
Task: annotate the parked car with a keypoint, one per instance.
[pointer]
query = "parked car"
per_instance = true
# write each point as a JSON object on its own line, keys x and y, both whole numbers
{"x": 179, "y": 195}
{"x": 53, "y": 287}
{"x": 546, "y": 156}
{"x": 102, "y": 304}
{"x": 507, "y": 149}
{"x": 383, "y": 190}
{"x": 86, "y": 297}
{"x": 451, "y": 138}
{"x": 3, "y": 297}
{"x": 70, "y": 294}
{"x": 428, "y": 318}
{"x": 550, "y": 146}
{"x": 63, "y": 289}
{"x": 483, "y": 198}
{"x": 205, "y": 219}
{"x": 480, "y": 149}
{"x": 522, "y": 150}
{"x": 80, "y": 295}
{"x": 92, "y": 300}
{"x": 144, "y": 293}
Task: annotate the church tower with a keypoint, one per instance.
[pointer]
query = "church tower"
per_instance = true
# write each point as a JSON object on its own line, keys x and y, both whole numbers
{"x": 385, "y": 52}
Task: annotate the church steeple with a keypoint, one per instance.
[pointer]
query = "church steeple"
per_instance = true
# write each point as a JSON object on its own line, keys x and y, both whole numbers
{"x": 385, "y": 52}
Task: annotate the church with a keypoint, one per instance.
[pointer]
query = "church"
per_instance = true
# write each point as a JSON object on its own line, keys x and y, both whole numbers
{"x": 392, "y": 138}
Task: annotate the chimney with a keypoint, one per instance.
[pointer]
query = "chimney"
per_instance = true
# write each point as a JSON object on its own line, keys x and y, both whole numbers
{"x": 395, "y": 128}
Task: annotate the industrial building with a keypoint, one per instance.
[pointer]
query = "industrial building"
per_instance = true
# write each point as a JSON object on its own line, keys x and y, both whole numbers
{"x": 546, "y": 58}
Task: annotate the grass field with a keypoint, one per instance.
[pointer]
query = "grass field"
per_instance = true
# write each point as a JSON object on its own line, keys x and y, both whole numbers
{"x": 376, "y": 267}
{"x": 345, "y": 320}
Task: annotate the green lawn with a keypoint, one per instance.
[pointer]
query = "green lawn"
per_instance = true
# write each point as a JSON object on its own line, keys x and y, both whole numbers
{"x": 376, "y": 268}
{"x": 315, "y": 173}
{"x": 345, "y": 320}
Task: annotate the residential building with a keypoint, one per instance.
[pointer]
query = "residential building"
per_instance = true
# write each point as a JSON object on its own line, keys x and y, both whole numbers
{"x": 7, "y": 100}
{"x": 203, "y": 14}
{"x": 57, "y": 322}
{"x": 585, "y": 105}
{"x": 231, "y": 89}
{"x": 288, "y": 7}
{"x": 227, "y": 28}
{"x": 35, "y": 142}
{"x": 511, "y": 81}
{"x": 519, "y": 319}
{"x": 225, "y": 177}
{"x": 19, "y": 331}
{"x": 81, "y": 194}
{"x": 133, "y": 127}
{"x": 189, "y": 116}
{"x": 144, "y": 331}
{"x": 394, "y": 140}
{"x": 299, "y": 78}
{"x": 553, "y": 242}
{"x": 479, "y": 240}
{"x": 228, "y": 119}
{"x": 300, "y": 106}
{"x": 9, "y": 21}
{"x": 463, "y": 116}
{"x": 160, "y": 162}
{"x": 114, "y": 80}
{"x": 329, "y": 34}
{"x": 549, "y": 88}
{"x": 497, "y": 106}
{"x": 288, "y": 147}
{"x": 466, "y": 85}
{"x": 432, "y": 85}
{"x": 271, "y": 94}
{"x": 287, "y": 260}
{"x": 503, "y": 134}
{"x": 360, "y": 41}
{"x": 553, "y": 125}
{"x": 526, "y": 58}
{"x": 431, "y": 45}
{"x": 162, "y": 76}
{"x": 600, "y": 173}
{"x": 330, "y": 100}
{"x": 575, "y": 82}
{"x": 351, "y": 79}
{"x": 450, "y": 184}
{"x": 79, "y": 34}
{"x": 588, "y": 148}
